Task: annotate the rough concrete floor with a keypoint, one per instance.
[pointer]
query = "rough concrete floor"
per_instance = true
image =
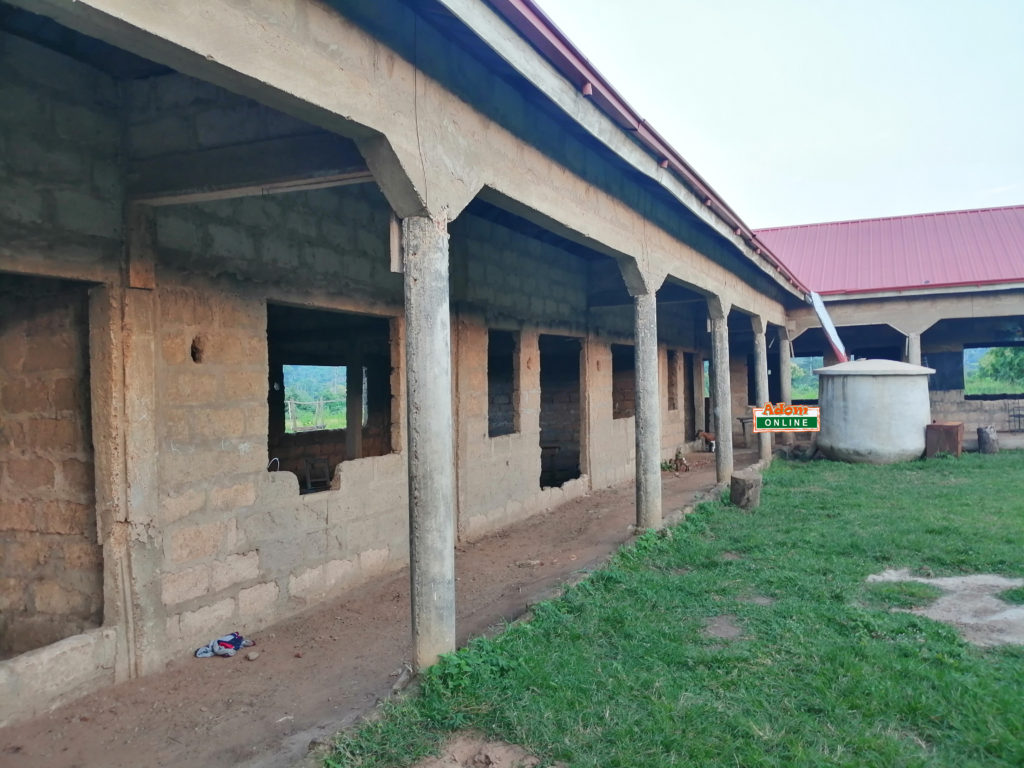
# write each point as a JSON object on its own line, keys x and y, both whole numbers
{"x": 971, "y": 604}
{"x": 319, "y": 672}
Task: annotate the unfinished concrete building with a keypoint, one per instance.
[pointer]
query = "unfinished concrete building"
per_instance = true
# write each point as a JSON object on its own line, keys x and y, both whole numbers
{"x": 519, "y": 278}
{"x": 930, "y": 288}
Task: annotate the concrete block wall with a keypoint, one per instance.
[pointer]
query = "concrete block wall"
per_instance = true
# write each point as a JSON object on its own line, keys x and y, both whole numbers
{"x": 951, "y": 405}
{"x": 61, "y": 192}
{"x": 673, "y": 422}
{"x": 176, "y": 113}
{"x": 509, "y": 277}
{"x": 740, "y": 396}
{"x": 241, "y": 547}
{"x": 51, "y": 580}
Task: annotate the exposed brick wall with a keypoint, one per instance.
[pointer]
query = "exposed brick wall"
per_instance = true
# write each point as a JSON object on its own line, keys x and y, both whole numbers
{"x": 50, "y": 561}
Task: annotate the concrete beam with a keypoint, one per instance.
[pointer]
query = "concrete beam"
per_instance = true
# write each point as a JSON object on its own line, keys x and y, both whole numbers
{"x": 290, "y": 164}
{"x": 431, "y": 439}
{"x": 648, "y": 414}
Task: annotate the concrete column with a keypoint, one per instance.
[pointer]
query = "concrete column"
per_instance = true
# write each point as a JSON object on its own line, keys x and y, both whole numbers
{"x": 914, "y": 348}
{"x": 139, "y": 337}
{"x": 648, "y": 413}
{"x": 430, "y": 429}
{"x": 719, "y": 312}
{"x": 764, "y": 439}
{"x": 785, "y": 377}
{"x": 697, "y": 386}
{"x": 354, "y": 410}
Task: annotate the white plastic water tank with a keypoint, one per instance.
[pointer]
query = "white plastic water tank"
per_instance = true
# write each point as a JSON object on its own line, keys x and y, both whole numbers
{"x": 873, "y": 411}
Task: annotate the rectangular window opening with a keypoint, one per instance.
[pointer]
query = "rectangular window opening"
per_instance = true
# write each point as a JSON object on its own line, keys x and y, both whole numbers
{"x": 673, "y": 380}
{"x": 804, "y": 382}
{"x": 994, "y": 372}
{"x": 328, "y": 371}
{"x": 623, "y": 381}
{"x": 502, "y": 383}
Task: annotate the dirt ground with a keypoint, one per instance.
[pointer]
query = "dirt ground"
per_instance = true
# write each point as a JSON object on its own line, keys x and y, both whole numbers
{"x": 470, "y": 750}
{"x": 320, "y": 672}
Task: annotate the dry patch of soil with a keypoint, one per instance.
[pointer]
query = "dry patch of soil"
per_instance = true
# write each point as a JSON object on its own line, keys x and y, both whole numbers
{"x": 471, "y": 750}
{"x": 969, "y": 603}
{"x": 723, "y": 627}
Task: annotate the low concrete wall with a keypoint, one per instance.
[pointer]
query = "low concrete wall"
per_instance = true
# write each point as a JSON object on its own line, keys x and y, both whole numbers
{"x": 41, "y": 680}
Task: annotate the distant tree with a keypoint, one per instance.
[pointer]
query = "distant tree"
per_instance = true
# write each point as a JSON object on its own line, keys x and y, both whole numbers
{"x": 1003, "y": 364}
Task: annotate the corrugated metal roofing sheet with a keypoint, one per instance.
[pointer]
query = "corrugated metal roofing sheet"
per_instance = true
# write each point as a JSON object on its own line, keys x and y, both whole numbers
{"x": 921, "y": 251}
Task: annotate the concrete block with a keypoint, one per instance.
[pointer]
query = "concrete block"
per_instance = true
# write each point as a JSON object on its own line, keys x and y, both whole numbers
{"x": 184, "y": 585}
{"x": 235, "y": 569}
{"x": 181, "y": 504}
{"x": 308, "y": 584}
{"x": 212, "y": 620}
{"x": 230, "y": 243}
{"x": 21, "y": 202}
{"x": 258, "y": 600}
{"x": 98, "y": 129}
{"x": 234, "y": 496}
{"x": 745, "y": 489}
{"x": 88, "y": 215}
{"x": 198, "y": 541}
{"x": 176, "y": 230}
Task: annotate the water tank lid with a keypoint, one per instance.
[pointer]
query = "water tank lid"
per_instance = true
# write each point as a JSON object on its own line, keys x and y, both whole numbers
{"x": 874, "y": 368}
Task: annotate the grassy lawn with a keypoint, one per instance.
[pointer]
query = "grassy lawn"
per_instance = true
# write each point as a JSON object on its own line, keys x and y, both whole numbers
{"x": 620, "y": 672}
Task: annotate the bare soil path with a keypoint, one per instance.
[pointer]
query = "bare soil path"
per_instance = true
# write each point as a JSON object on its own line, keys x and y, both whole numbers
{"x": 319, "y": 672}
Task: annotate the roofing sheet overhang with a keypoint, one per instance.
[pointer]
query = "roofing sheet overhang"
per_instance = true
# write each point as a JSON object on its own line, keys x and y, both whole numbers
{"x": 532, "y": 23}
{"x": 983, "y": 247}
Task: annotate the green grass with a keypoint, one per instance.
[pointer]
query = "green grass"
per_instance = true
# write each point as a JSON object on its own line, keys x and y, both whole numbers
{"x": 907, "y": 594}
{"x": 1015, "y": 596}
{"x": 619, "y": 673}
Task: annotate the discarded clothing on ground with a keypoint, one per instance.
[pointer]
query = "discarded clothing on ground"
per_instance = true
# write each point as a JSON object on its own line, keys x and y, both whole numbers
{"x": 224, "y": 646}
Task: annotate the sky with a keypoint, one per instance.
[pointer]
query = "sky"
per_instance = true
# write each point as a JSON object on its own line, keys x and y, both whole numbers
{"x": 800, "y": 111}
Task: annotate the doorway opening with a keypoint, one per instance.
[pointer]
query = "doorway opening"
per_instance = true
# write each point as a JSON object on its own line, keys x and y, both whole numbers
{"x": 560, "y": 412}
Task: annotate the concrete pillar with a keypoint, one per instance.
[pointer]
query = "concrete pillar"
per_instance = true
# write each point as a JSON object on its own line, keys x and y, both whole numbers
{"x": 428, "y": 373}
{"x": 914, "y": 348}
{"x": 139, "y": 337}
{"x": 648, "y": 413}
{"x": 719, "y": 312}
{"x": 697, "y": 386}
{"x": 764, "y": 439}
{"x": 354, "y": 410}
{"x": 785, "y": 377}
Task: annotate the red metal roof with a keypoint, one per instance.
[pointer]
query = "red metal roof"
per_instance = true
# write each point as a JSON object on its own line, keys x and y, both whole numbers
{"x": 928, "y": 250}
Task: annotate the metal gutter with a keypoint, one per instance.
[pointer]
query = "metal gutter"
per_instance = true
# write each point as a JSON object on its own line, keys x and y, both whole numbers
{"x": 867, "y": 293}
{"x": 531, "y": 22}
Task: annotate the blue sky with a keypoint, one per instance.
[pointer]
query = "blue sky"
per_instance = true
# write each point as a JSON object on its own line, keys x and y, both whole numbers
{"x": 823, "y": 110}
